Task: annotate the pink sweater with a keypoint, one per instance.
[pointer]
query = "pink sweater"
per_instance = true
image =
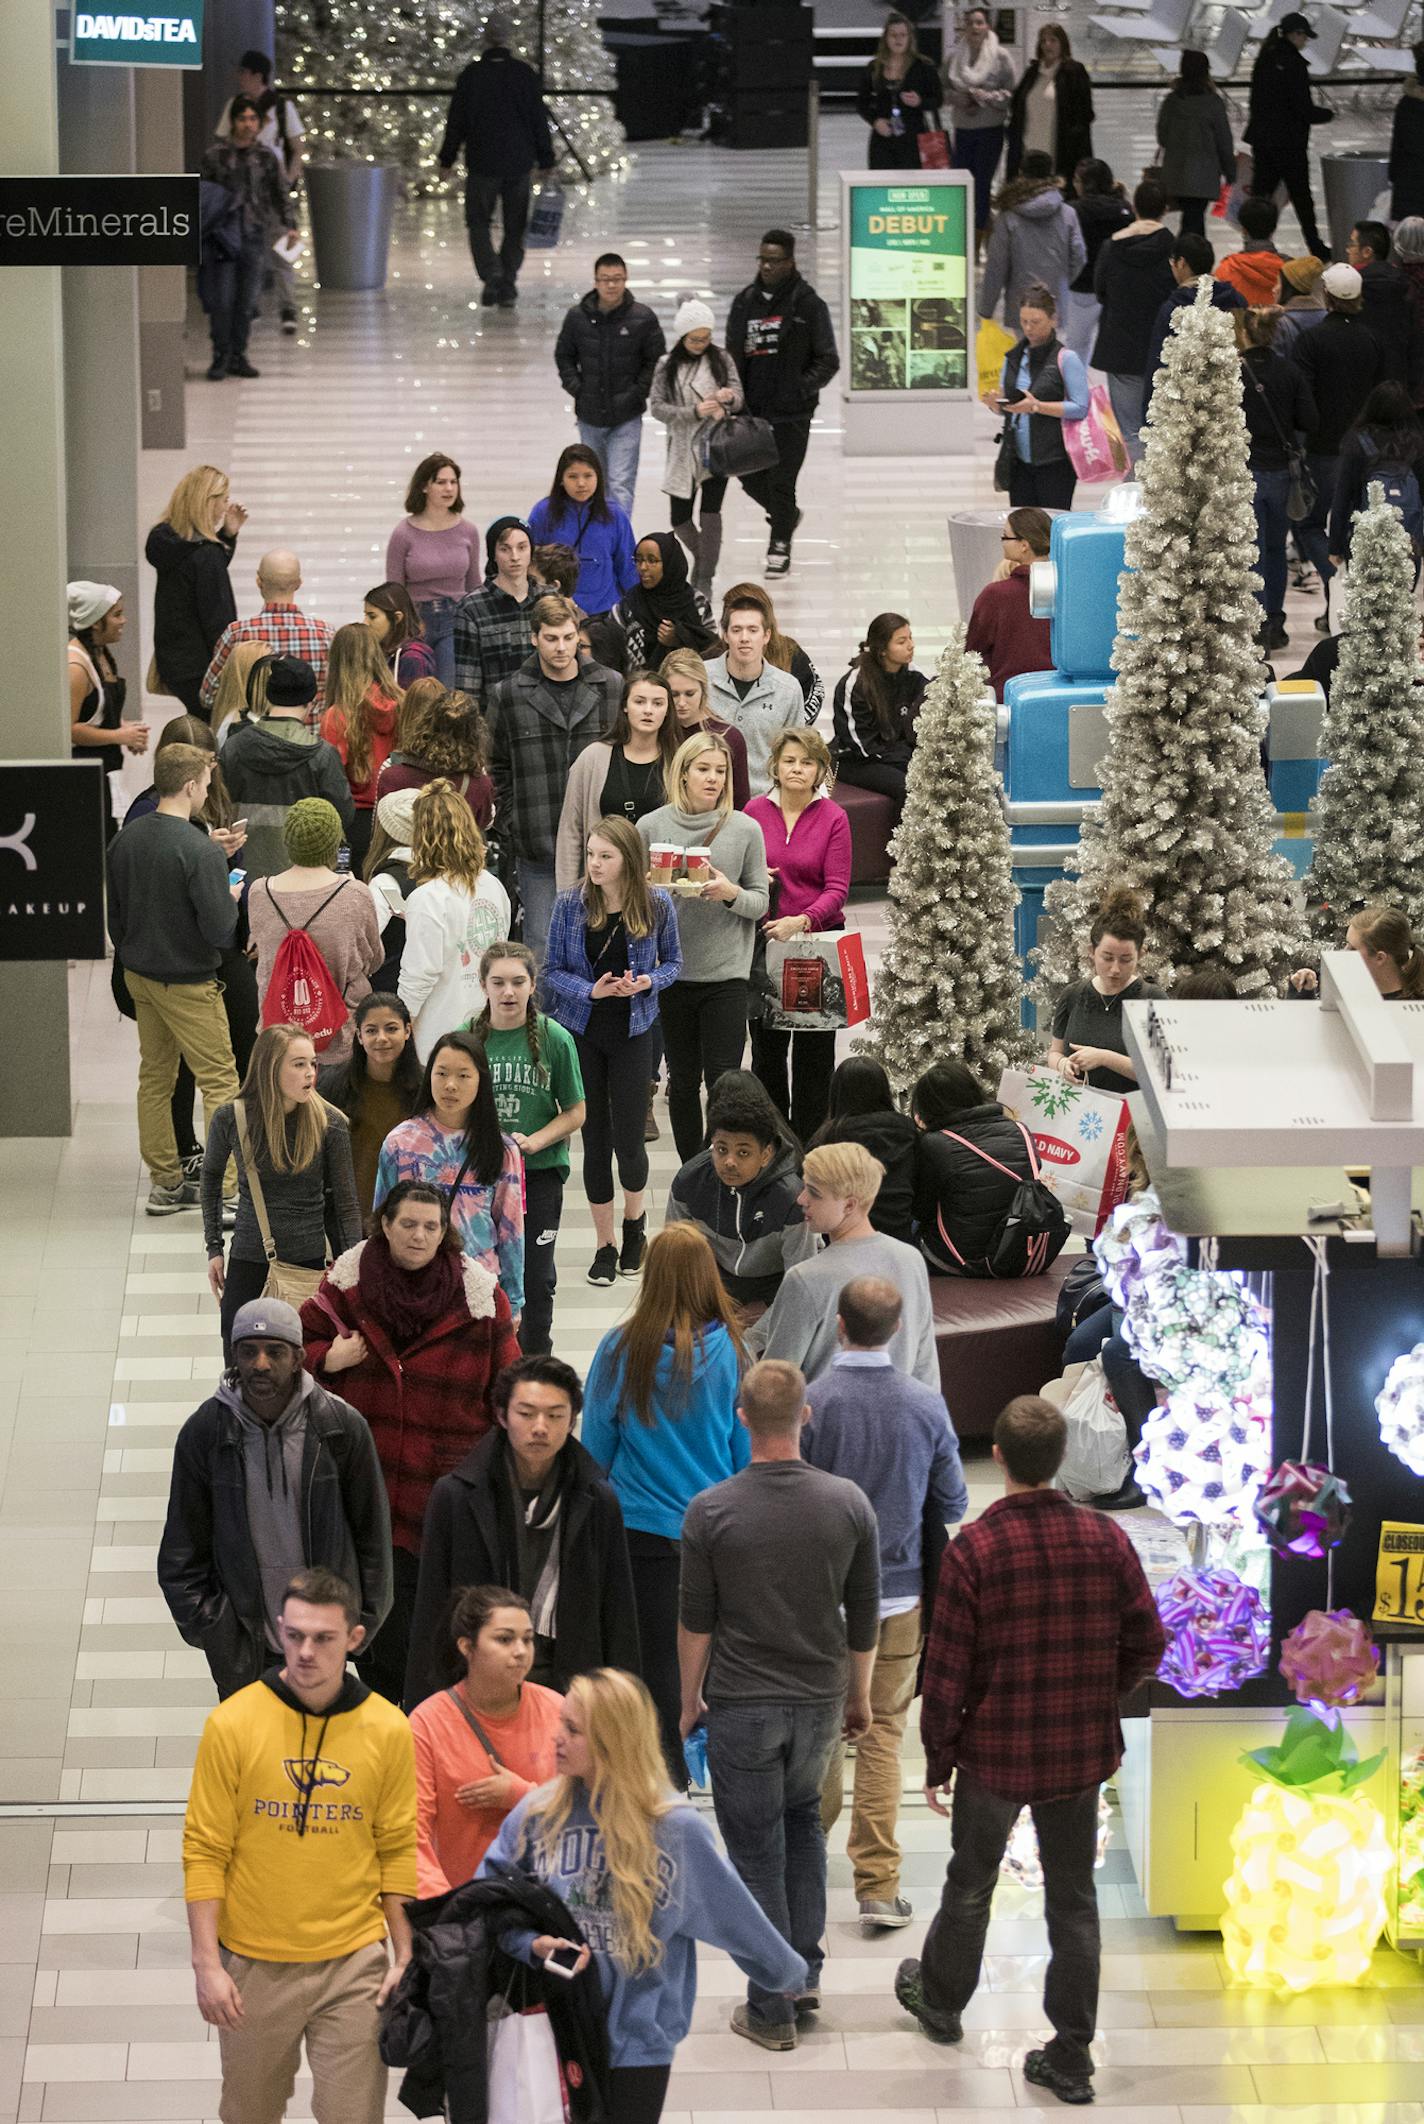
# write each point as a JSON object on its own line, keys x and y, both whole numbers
{"x": 812, "y": 867}
{"x": 435, "y": 563}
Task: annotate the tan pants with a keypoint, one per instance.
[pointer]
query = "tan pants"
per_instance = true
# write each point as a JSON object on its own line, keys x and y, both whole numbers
{"x": 177, "y": 1018}
{"x": 330, "y": 2004}
{"x": 875, "y": 1796}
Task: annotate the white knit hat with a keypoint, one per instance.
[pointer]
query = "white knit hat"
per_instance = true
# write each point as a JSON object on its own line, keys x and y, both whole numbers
{"x": 692, "y": 316}
{"x": 89, "y": 602}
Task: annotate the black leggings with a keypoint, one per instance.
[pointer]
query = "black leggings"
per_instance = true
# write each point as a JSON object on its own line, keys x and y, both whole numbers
{"x": 879, "y": 775}
{"x": 811, "y": 1062}
{"x": 713, "y": 493}
{"x": 382, "y": 1667}
{"x": 637, "y": 2093}
{"x": 1042, "y": 486}
{"x": 655, "y": 1562}
{"x": 1193, "y": 222}
{"x": 543, "y": 1207}
{"x": 705, "y": 1028}
{"x": 244, "y": 1281}
{"x": 615, "y": 1089}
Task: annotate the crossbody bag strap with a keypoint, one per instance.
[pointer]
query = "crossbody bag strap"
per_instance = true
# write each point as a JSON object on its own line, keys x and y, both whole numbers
{"x": 474, "y": 1725}
{"x": 254, "y": 1184}
{"x": 1292, "y": 449}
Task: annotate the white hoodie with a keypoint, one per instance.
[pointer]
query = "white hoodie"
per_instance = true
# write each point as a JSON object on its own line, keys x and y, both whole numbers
{"x": 446, "y": 931}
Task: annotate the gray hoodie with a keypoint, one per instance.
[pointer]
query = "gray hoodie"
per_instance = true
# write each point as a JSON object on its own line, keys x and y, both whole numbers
{"x": 1037, "y": 238}
{"x": 272, "y": 1467}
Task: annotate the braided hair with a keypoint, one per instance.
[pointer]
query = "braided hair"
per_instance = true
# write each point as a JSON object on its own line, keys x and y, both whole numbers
{"x": 524, "y": 957}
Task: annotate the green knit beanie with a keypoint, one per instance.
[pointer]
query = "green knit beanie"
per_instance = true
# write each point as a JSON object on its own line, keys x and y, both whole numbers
{"x": 312, "y": 832}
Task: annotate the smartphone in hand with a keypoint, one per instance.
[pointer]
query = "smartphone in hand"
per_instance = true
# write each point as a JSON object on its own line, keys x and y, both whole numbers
{"x": 563, "y": 1961}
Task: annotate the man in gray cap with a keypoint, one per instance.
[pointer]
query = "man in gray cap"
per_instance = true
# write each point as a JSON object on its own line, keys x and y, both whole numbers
{"x": 497, "y": 116}
{"x": 272, "y": 1474}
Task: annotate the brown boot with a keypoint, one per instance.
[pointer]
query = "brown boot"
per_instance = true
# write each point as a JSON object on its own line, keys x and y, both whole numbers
{"x": 651, "y": 1131}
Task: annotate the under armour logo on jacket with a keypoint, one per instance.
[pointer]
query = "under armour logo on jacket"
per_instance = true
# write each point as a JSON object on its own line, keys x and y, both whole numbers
{"x": 15, "y": 842}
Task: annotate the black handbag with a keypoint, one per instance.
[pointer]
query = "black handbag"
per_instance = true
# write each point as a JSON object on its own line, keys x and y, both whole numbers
{"x": 740, "y": 444}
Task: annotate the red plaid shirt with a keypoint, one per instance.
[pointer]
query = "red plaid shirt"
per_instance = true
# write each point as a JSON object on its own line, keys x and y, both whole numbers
{"x": 288, "y": 633}
{"x": 1043, "y": 1620}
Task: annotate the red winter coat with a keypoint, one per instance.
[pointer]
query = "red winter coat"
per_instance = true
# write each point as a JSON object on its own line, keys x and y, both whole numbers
{"x": 430, "y": 1405}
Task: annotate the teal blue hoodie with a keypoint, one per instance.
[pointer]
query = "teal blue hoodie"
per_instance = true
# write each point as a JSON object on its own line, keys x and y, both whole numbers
{"x": 695, "y": 1440}
{"x": 699, "y": 1897}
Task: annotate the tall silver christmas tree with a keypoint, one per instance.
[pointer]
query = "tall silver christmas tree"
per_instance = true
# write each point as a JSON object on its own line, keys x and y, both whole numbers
{"x": 949, "y": 984}
{"x": 1186, "y": 817}
{"x": 1369, "y": 814}
{"x": 396, "y": 65}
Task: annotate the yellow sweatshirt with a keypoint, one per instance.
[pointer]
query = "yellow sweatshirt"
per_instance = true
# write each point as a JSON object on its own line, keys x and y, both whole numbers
{"x": 299, "y": 1822}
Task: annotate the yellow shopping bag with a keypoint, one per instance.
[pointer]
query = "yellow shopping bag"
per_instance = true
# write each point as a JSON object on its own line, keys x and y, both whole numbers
{"x": 990, "y": 347}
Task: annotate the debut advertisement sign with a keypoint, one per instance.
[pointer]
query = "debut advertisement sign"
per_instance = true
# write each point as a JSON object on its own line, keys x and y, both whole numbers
{"x": 907, "y": 325}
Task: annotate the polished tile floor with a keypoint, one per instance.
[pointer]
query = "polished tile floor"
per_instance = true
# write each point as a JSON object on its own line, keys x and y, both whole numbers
{"x": 109, "y": 1337}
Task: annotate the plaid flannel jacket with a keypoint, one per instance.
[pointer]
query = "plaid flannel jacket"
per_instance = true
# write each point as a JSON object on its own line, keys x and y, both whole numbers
{"x": 535, "y": 737}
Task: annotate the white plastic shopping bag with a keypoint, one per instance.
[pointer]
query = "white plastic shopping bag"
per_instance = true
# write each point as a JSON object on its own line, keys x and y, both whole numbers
{"x": 1098, "y": 1456}
{"x": 525, "y": 2083}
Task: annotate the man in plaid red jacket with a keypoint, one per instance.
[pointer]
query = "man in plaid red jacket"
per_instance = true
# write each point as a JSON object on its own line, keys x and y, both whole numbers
{"x": 1042, "y": 1622}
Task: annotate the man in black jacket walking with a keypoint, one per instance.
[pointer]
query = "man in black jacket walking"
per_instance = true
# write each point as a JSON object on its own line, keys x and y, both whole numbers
{"x": 271, "y": 1475}
{"x": 497, "y": 116}
{"x": 529, "y": 1509}
{"x": 780, "y": 336}
{"x": 1282, "y": 111}
{"x": 1387, "y": 308}
{"x": 606, "y": 352}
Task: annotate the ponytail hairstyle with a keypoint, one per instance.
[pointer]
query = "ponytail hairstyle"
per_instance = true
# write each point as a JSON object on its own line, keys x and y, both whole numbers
{"x": 483, "y": 1026}
{"x": 1387, "y": 930}
{"x": 1120, "y": 914}
{"x": 871, "y": 680}
{"x": 467, "y": 1611}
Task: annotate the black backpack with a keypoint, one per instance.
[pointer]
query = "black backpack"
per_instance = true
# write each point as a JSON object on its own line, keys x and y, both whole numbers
{"x": 1033, "y": 1228}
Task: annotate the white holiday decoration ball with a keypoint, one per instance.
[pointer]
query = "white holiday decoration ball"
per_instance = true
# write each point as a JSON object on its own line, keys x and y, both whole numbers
{"x": 1400, "y": 1402}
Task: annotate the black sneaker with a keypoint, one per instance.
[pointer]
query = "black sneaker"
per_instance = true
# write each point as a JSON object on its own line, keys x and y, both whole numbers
{"x": 1128, "y": 1499}
{"x": 508, "y": 296}
{"x": 489, "y": 294}
{"x": 604, "y": 1269}
{"x": 217, "y": 368}
{"x": 635, "y": 1245}
{"x": 778, "y": 558}
{"x": 1040, "y": 2071}
{"x": 939, "y": 2027}
{"x": 1276, "y": 636}
{"x": 241, "y": 366}
{"x": 193, "y": 1165}
{"x": 289, "y": 322}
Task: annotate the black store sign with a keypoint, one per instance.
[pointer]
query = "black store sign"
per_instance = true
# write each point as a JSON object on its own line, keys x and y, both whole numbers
{"x": 51, "y": 860}
{"x": 98, "y": 221}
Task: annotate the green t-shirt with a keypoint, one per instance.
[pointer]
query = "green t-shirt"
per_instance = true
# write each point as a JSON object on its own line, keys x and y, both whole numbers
{"x": 528, "y": 1100}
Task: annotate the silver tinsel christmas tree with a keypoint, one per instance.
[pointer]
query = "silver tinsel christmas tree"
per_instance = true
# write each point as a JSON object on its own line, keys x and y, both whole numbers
{"x": 949, "y": 984}
{"x": 1369, "y": 814}
{"x": 416, "y": 48}
{"x": 1186, "y": 817}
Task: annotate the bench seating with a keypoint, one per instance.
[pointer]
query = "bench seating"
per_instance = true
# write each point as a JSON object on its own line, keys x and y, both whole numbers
{"x": 872, "y": 821}
{"x": 995, "y": 1340}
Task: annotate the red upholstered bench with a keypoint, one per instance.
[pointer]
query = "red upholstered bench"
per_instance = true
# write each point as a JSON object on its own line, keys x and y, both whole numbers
{"x": 995, "y": 1340}
{"x": 872, "y": 821}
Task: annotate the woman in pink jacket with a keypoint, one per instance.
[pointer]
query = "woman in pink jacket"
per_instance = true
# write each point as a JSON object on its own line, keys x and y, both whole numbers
{"x": 807, "y": 839}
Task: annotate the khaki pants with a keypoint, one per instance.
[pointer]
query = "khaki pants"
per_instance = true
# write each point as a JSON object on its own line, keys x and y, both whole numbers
{"x": 875, "y": 1796}
{"x": 330, "y": 2004}
{"x": 177, "y": 1018}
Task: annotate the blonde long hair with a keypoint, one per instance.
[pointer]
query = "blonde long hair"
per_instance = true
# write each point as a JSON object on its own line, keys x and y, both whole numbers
{"x": 692, "y": 748}
{"x": 190, "y": 505}
{"x": 445, "y": 842}
{"x": 628, "y": 1794}
{"x": 639, "y": 915}
{"x": 289, "y": 1143}
{"x": 234, "y": 697}
{"x": 355, "y": 668}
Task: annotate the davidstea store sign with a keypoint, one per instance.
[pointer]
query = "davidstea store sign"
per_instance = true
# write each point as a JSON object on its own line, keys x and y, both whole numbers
{"x": 169, "y": 34}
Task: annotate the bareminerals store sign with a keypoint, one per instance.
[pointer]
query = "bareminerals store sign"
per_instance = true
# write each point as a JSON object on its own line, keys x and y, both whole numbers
{"x": 98, "y": 221}
{"x": 170, "y": 34}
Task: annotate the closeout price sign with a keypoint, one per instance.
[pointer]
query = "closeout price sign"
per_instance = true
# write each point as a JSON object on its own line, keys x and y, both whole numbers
{"x": 1399, "y": 1574}
{"x": 909, "y": 286}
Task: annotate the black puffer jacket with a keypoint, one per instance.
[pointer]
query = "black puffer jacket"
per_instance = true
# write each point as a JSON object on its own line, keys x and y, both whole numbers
{"x": 892, "y": 1138}
{"x": 784, "y": 345}
{"x": 960, "y": 1199}
{"x": 756, "y": 1232}
{"x": 606, "y": 359}
{"x": 436, "y": 2028}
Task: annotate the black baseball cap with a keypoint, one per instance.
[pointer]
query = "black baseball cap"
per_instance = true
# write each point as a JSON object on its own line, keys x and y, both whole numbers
{"x": 1291, "y": 25}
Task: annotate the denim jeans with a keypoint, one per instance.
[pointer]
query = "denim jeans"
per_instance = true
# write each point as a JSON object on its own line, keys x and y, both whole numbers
{"x": 234, "y": 286}
{"x": 1272, "y": 531}
{"x": 537, "y": 893}
{"x": 954, "y": 1945}
{"x": 977, "y": 149}
{"x": 437, "y": 617}
{"x": 767, "y": 1764}
{"x": 1312, "y": 536}
{"x": 618, "y": 447}
{"x": 1128, "y": 395}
